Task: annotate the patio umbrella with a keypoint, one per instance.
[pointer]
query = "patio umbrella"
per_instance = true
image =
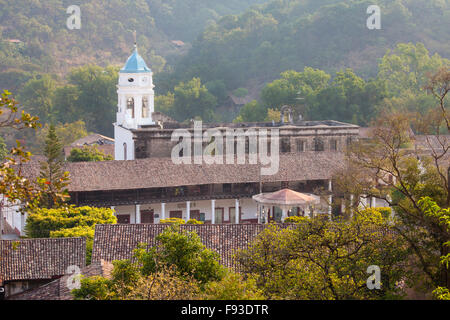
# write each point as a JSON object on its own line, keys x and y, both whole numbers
{"x": 286, "y": 199}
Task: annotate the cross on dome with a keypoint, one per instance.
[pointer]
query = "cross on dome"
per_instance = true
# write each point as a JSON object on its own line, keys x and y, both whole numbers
{"x": 135, "y": 63}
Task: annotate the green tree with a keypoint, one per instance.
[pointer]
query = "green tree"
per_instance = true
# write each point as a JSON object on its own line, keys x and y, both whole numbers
{"x": 87, "y": 153}
{"x": 186, "y": 252}
{"x": 164, "y": 103}
{"x": 441, "y": 216}
{"x": 3, "y": 149}
{"x": 390, "y": 167}
{"x": 407, "y": 66}
{"x": 348, "y": 98}
{"x": 66, "y": 105}
{"x": 54, "y": 179}
{"x": 192, "y": 99}
{"x": 97, "y": 98}
{"x": 322, "y": 259}
{"x": 251, "y": 112}
{"x": 233, "y": 287}
{"x": 36, "y": 96}
{"x": 67, "y": 133}
{"x": 294, "y": 85}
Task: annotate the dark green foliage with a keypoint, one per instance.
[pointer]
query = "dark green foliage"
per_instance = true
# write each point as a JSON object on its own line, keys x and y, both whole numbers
{"x": 54, "y": 178}
{"x": 191, "y": 100}
{"x": 87, "y": 154}
{"x": 329, "y": 34}
{"x": 3, "y": 149}
{"x": 186, "y": 252}
{"x": 322, "y": 259}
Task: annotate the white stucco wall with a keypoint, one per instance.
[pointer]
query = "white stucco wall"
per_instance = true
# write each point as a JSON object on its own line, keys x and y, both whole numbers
{"x": 121, "y": 136}
{"x": 14, "y": 217}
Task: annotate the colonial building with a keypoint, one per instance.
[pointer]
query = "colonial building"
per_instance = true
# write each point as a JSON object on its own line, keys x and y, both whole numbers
{"x": 144, "y": 185}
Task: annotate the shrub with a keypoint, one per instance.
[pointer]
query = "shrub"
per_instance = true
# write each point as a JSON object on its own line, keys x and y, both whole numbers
{"x": 67, "y": 222}
{"x": 295, "y": 219}
{"x": 176, "y": 221}
{"x": 386, "y": 212}
{"x": 240, "y": 92}
{"x": 88, "y": 153}
{"x": 233, "y": 287}
{"x": 193, "y": 221}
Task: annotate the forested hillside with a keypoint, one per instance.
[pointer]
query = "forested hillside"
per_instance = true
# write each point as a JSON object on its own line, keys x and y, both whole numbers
{"x": 106, "y": 34}
{"x": 326, "y": 34}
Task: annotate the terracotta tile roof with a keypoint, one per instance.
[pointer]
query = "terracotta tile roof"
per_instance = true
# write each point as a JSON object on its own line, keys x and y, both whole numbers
{"x": 162, "y": 172}
{"x": 93, "y": 139}
{"x": 117, "y": 242}
{"x": 32, "y": 259}
{"x": 429, "y": 142}
{"x": 58, "y": 290}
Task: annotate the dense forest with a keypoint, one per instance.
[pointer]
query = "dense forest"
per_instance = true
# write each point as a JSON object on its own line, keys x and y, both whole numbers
{"x": 257, "y": 46}
{"x": 318, "y": 56}
{"x": 106, "y": 34}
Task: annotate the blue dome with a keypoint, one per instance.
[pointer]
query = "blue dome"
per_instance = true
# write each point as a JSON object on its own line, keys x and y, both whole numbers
{"x": 135, "y": 64}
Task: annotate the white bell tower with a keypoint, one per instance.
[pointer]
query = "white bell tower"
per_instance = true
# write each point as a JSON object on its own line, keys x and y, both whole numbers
{"x": 135, "y": 104}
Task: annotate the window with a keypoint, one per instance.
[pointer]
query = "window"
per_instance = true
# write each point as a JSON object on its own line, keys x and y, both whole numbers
{"x": 300, "y": 145}
{"x": 318, "y": 144}
{"x": 144, "y": 107}
{"x": 176, "y": 214}
{"x": 130, "y": 80}
{"x": 333, "y": 145}
{"x": 130, "y": 107}
{"x": 124, "y": 151}
{"x": 285, "y": 144}
{"x": 218, "y": 215}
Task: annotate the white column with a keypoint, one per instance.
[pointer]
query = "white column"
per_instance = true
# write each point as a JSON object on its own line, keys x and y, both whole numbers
{"x": 163, "y": 211}
{"x": 330, "y": 198}
{"x": 236, "y": 211}
{"x": 188, "y": 210}
{"x": 138, "y": 213}
{"x": 258, "y": 213}
{"x": 137, "y": 109}
{"x": 351, "y": 205}
{"x": 114, "y": 209}
{"x": 213, "y": 211}
{"x": 372, "y": 202}
{"x": 22, "y": 223}
{"x": 283, "y": 214}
